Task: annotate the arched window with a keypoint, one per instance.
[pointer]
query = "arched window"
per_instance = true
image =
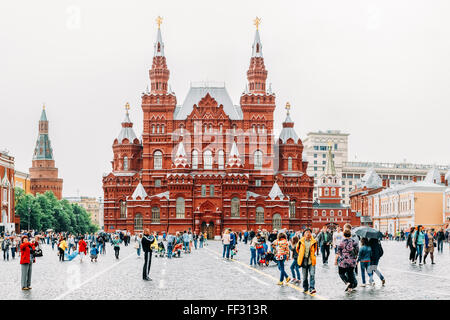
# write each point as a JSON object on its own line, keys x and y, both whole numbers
{"x": 316, "y": 213}
{"x": 292, "y": 209}
{"x": 210, "y": 128}
{"x": 333, "y": 191}
{"x": 157, "y": 160}
{"x": 180, "y": 207}
{"x": 138, "y": 222}
{"x": 276, "y": 220}
{"x": 254, "y": 128}
{"x": 157, "y": 128}
{"x": 153, "y": 128}
{"x": 221, "y": 159}
{"x": 221, "y": 128}
{"x": 207, "y": 160}
{"x": 194, "y": 159}
{"x": 155, "y": 215}
{"x": 332, "y": 213}
{"x": 259, "y": 218}
{"x": 123, "y": 209}
{"x": 262, "y": 129}
{"x": 324, "y": 213}
{"x": 162, "y": 128}
{"x": 258, "y": 160}
{"x": 290, "y": 164}
{"x": 195, "y": 127}
{"x": 327, "y": 192}
{"x": 181, "y": 129}
{"x": 235, "y": 207}
{"x": 125, "y": 163}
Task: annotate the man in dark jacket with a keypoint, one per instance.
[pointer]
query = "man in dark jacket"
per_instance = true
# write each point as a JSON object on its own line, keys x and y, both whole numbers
{"x": 324, "y": 239}
{"x": 147, "y": 241}
{"x": 440, "y": 239}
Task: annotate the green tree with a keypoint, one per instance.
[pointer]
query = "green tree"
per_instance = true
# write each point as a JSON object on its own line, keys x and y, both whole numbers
{"x": 28, "y": 209}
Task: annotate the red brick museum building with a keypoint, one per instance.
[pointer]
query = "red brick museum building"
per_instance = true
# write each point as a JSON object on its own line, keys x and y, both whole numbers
{"x": 207, "y": 164}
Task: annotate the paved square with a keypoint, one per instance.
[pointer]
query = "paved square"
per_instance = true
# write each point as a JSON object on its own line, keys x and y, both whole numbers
{"x": 203, "y": 274}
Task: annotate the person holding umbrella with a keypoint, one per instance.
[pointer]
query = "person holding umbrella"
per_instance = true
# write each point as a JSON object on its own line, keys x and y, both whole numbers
{"x": 376, "y": 254}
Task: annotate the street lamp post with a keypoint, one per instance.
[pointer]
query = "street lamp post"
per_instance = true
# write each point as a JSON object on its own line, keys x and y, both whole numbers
{"x": 29, "y": 217}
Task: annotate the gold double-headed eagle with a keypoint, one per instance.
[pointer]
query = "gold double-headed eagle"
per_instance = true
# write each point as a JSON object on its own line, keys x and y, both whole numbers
{"x": 127, "y": 106}
{"x": 288, "y": 107}
{"x": 159, "y": 21}
{"x": 257, "y": 22}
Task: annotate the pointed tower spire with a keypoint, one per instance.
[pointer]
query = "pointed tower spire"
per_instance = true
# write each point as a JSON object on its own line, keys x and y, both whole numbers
{"x": 257, "y": 73}
{"x": 127, "y": 131}
{"x": 330, "y": 169}
{"x": 159, "y": 74}
{"x": 43, "y": 150}
{"x": 288, "y": 131}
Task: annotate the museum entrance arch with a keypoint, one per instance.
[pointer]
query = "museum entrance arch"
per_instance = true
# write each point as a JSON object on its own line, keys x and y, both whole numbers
{"x": 208, "y": 227}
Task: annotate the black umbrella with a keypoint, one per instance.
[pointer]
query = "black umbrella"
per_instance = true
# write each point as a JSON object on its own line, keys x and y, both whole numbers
{"x": 369, "y": 233}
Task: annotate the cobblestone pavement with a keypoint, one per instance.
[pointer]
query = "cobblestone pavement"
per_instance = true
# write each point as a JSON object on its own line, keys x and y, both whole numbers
{"x": 203, "y": 274}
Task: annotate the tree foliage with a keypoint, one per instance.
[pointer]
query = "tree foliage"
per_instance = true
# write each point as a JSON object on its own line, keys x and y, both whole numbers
{"x": 45, "y": 211}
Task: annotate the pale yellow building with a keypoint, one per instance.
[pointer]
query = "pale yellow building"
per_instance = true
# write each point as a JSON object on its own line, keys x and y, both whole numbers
{"x": 22, "y": 180}
{"x": 92, "y": 205}
{"x": 402, "y": 206}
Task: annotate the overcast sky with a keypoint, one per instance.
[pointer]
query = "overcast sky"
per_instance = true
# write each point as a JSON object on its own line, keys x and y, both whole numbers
{"x": 379, "y": 70}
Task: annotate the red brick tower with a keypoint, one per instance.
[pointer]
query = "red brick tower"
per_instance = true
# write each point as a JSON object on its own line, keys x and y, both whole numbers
{"x": 43, "y": 174}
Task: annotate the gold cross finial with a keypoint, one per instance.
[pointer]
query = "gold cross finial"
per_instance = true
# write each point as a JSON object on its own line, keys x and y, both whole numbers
{"x": 288, "y": 107}
{"x": 159, "y": 21}
{"x": 257, "y": 22}
{"x": 127, "y": 106}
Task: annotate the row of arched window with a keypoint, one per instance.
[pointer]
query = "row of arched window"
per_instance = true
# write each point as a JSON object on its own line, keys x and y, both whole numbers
{"x": 207, "y": 160}
{"x": 157, "y": 128}
{"x": 324, "y": 213}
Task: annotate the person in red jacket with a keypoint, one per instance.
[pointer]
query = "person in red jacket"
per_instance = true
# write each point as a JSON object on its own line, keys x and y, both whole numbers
{"x": 26, "y": 262}
{"x": 82, "y": 248}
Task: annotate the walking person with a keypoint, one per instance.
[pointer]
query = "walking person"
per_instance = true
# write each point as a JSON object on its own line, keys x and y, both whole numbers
{"x": 82, "y": 248}
{"x": 346, "y": 257}
{"x": 410, "y": 245}
{"x": 419, "y": 242}
{"x": 201, "y": 239}
{"x": 138, "y": 245}
{"x": 429, "y": 246}
{"x": 13, "y": 247}
{"x": 376, "y": 254}
{"x": 295, "y": 268}
{"x": 306, "y": 249}
{"x": 440, "y": 240}
{"x": 26, "y": 262}
{"x": 226, "y": 244}
{"x": 282, "y": 254}
{"x": 195, "y": 237}
{"x": 186, "y": 241}
{"x": 364, "y": 259}
{"x": 338, "y": 236}
{"x": 147, "y": 241}
{"x": 6, "y": 244}
{"x": 171, "y": 240}
{"x": 324, "y": 239}
{"x": 116, "y": 244}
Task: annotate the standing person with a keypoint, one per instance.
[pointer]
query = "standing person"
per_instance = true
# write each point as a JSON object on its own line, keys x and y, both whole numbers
{"x": 418, "y": 242}
{"x": 440, "y": 240}
{"x": 295, "y": 268}
{"x": 205, "y": 239}
{"x": 282, "y": 255}
{"x": 13, "y": 247}
{"x": 376, "y": 254}
{"x": 26, "y": 262}
{"x": 71, "y": 243}
{"x": 429, "y": 246}
{"x": 306, "y": 249}
{"x": 191, "y": 239}
{"x": 226, "y": 244}
{"x": 6, "y": 244}
{"x": 116, "y": 243}
{"x": 346, "y": 260}
{"x": 82, "y": 248}
{"x": 324, "y": 239}
{"x": 412, "y": 248}
{"x": 94, "y": 253}
{"x": 338, "y": 236}
{"x": 62, "y": 248}
{"x": 138, "y": 245}
{"x": 201, "y": 239}
{"x": 147, "y": 241}
{"x": 54, "y": 240}
{"x": 170, "y": 244}
{"x": 195, "y": 238}
{"x": 245, "y": 236}
{"x": 253, "y": 243}
{"x": 364, "y": 259}
{"x": 185, "y": 241}
{"x": 251, "y": 234}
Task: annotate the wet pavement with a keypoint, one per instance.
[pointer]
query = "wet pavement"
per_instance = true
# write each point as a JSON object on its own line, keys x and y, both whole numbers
{"x": 203, "y": 274}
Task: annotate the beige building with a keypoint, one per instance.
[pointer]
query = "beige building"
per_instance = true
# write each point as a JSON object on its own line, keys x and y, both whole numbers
{"x": 92, "y": 205}
{"x": 447, "y": 206}
{"x": 405, "y": 205}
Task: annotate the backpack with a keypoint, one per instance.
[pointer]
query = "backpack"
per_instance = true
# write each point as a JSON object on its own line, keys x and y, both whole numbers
{"x": 354, "y": 251}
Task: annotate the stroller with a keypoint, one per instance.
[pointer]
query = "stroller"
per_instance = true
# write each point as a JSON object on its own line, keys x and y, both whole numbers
{"x": 264, "y": 255}
{"x": 161, "y": 250}
{"x": 177, "y": 250}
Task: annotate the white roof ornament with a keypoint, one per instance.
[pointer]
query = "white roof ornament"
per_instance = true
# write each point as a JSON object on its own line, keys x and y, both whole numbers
{"x": 371, "y": 179}
{"x": 233, "y": 159}
{"x": 5, "y": 181}
{"x": 180, "y": 156}
{"x": 127, "y": 131}
{"x": 433, "y": 176}
{"x": 139, "y": 192}
{"x": 276, "y": 192}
